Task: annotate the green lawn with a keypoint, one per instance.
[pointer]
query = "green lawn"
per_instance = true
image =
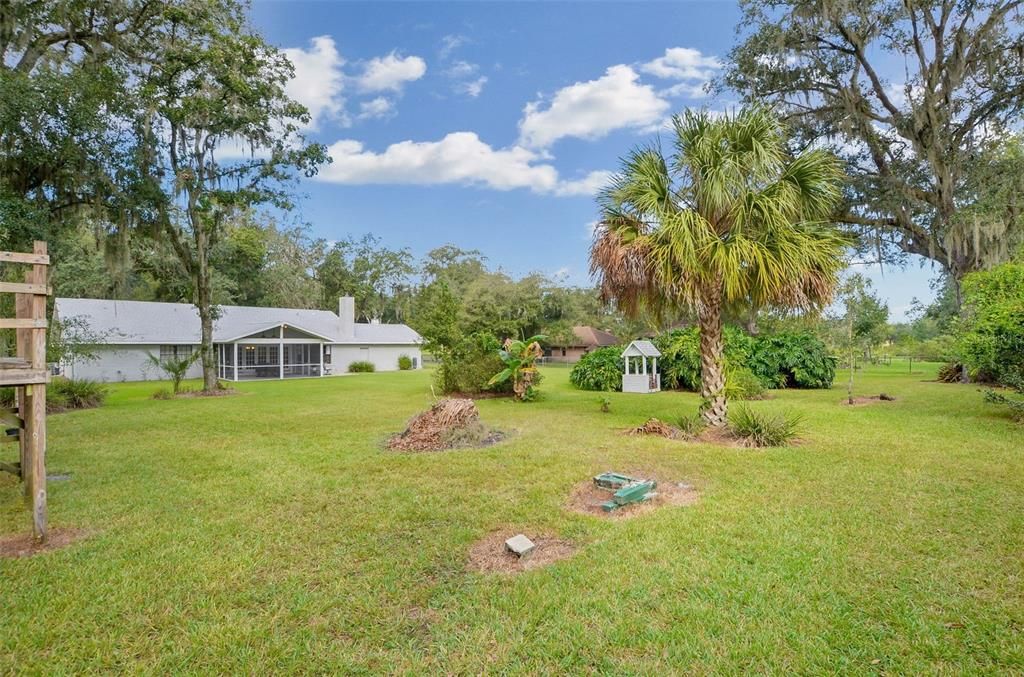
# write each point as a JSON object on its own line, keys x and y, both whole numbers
{"x": 269, "y": 532}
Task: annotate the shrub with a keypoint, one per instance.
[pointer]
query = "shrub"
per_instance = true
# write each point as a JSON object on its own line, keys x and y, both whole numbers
{"x": 680, "y": 355}
{"x": 163, "y": 394}
{"x": 763, "y": 430}
{"x": 469, "y": 364}
{"x": 519, "y": 360}
{"x": 599, "y": 369}
{"x": 606, "y": 405}
{"x": 174, "y": 367}
{"x": 404, "y": 363}
{"x": 990, "y": 338}
{"x": 65, "y": 394}
{"x": 792, "y": 360}
{"x": 361, "y": 366}
{"x": 75, "y": 394}
{"x": 742, "y": 384}
{"x": 691, "y": 425}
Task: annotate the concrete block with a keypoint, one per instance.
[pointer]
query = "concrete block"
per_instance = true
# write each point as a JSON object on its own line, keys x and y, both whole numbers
{"x": 520, "y": 545}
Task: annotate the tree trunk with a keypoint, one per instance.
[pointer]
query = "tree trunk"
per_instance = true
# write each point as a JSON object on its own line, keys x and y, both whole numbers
{"x": 956, "y": 276}
{"x": 204, "y": 302}
{"x": 712, "y": 362}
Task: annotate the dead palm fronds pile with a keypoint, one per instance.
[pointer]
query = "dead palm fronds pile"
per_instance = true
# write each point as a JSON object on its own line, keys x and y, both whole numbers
{"x": 436, "y": 427}
{"x": 658, "y": 427}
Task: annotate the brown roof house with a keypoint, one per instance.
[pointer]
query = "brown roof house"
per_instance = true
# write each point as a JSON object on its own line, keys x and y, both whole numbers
{"x": 584, "y": 340}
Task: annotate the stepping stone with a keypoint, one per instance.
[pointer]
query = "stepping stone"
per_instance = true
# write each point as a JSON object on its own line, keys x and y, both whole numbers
{"x": 520, "y": 545}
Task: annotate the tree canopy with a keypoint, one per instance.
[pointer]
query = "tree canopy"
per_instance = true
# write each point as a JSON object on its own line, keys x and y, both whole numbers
{"x": 916, "y": 96}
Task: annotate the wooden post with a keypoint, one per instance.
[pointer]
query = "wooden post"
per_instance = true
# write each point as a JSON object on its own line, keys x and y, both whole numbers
{"x": 23, "y": 310}
{"x": 35, "y": 424}
{"x": 28, "y": 374}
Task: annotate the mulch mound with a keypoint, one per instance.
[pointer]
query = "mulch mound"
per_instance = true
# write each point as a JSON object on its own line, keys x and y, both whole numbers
{"x": 873, "y": 399}
{"x": 489, "y": 555}
{"x": 449, "y": 424}
{"x": 657, "y": 427}
{"x": 24, "y": 545}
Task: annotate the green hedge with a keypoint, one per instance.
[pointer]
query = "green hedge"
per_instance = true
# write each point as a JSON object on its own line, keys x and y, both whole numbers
{"x": 680, "y": 355}
{"x": 361, "y": 366}
{"x": 599, "y": 369}
{"x": 792, "y": 360}
{"x": 787, "y": 360}
{"x": 404, "y": 363}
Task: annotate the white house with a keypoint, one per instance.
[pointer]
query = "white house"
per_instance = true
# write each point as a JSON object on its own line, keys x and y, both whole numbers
{"x": 251, "y": 343}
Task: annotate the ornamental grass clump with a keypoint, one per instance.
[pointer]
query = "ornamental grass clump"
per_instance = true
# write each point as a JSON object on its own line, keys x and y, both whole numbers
{"x": 763, "y": 430}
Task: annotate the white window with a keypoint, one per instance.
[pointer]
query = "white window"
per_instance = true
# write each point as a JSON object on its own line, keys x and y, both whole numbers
{"x": 168, "y": 353}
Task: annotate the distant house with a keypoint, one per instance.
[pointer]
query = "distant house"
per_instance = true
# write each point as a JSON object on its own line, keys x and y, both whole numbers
{"x": 584, "y": 340}
{"x": 250, "y": 343}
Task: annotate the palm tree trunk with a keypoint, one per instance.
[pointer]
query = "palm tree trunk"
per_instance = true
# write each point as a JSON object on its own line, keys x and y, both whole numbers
{"x": 712, "y": 362}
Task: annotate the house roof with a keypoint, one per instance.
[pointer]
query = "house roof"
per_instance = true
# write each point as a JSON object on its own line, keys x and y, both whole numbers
{"x": 641, "y": 349}
{"x": 149, "y": 322}
{"x": 591, "y": 337}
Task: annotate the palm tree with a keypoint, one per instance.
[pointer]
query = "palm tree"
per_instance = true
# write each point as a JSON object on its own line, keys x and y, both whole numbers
{"x": 729, "y": 221}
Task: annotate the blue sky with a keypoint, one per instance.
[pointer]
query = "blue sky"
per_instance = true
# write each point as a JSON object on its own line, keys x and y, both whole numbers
{"x": 489, "y": 125}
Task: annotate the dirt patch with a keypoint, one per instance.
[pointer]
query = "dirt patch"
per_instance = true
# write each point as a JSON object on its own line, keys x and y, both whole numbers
{"x": 489, "y": 555}
{"x": 722, "y": 437}
{"x": 24, "y": 545}
{"x": 873, "y": 399}
{"x": 452, "y": 423}
{"x": 658, "y": 428}
{"x": 586, "y": 498}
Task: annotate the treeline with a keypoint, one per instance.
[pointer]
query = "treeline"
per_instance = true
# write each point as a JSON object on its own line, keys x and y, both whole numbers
{"x": 447, "y": 294}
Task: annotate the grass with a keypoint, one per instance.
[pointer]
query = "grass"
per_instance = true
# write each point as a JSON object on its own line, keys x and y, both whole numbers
{"x": 267, "y": 531}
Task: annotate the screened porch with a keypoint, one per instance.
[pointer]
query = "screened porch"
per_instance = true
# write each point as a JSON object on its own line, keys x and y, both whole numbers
{"x": 276, "y": 352}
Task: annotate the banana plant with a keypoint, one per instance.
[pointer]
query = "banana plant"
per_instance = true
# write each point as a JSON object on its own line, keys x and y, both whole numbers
{"x": 520, "y": 358}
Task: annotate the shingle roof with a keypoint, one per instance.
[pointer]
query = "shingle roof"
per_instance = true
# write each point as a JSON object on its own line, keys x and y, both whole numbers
{"x": 148, "y": 322}
{"x": 591, "y": 338}
{"x": 641, "y": 349}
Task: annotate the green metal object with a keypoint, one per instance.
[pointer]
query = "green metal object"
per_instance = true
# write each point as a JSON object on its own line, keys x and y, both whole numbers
{"x": 613, "y": 480}
{"x": 627, "y": 489}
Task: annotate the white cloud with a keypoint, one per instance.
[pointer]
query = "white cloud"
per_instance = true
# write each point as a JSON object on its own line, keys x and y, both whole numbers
{"x": 391, "y": 72}
{"x": 686, "y": 90}
{"x": 592, "y": 109}
{"x": 682, "y": 63}
{"x": 466, "y": 79}
{"x": 318, "y": 81}
{"x": 381, "y": 107}
{"x": 588, "y": 185}
{"x": 459, "y": 158}
{"x": 472, "y": 87}
{"x": 461, "y": 69}
{"x": 450, "y": 43}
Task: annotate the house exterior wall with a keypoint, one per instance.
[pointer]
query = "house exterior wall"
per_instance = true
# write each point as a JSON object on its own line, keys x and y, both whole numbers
{"x": 384, "y": 358}
{"x": 115, "y": 363}
{"x": 572, "y": 353}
